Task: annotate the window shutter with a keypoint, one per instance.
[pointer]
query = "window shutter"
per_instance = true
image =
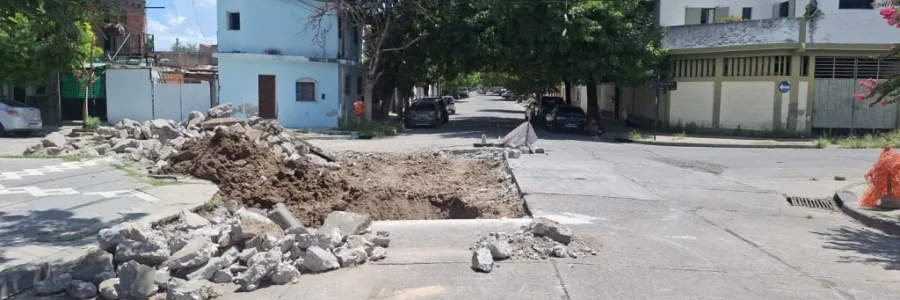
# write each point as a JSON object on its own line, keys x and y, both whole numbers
{"x": 792, "y": 10}
{"x": 692, "y": 15}
{"x": 776, "y": 8}
{"x": 721, "y": 13}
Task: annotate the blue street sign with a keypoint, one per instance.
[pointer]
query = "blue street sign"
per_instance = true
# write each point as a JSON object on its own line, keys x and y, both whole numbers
{"x": 784, "y": 87}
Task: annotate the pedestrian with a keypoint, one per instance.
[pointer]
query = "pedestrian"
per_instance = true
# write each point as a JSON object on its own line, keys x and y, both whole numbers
{"x": 359, "y": 109}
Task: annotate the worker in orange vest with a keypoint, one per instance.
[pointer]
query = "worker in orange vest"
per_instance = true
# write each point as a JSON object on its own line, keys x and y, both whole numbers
{"x": 359, "y": 109}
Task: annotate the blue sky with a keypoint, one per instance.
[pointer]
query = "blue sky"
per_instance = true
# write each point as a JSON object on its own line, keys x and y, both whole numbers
{"x": 191, "y": 21}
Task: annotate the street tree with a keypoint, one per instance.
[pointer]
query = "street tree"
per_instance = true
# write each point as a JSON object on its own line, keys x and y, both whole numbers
{"x": 886, "y": 91}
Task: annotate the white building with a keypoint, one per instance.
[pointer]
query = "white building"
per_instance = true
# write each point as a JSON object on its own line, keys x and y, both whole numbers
{"x": 788, "y": 65}
{"x": 273, "y": 64}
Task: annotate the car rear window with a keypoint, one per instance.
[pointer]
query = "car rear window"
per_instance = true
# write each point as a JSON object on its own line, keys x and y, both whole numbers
{"x": 13, "y": 103}
{"x": 571, "y": 111}
{"x": 551, "y": 101}
{"x": 421, "y": 106}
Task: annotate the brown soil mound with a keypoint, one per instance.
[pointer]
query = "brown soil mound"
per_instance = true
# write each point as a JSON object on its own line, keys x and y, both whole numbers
{"x": 386, "y": 186}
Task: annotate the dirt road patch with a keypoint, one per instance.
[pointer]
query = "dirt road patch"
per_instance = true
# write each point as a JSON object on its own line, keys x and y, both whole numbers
{"x": 386, "y": 186}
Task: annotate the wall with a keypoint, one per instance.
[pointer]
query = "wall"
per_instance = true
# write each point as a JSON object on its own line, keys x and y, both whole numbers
{"x": 672, "y": 11}
{"x": 356, "y": 91}
{"x": 130, "y": 95}
{"x": 607, "y": 97}
{"x": 276, "y": 24}
{"x": 238, "y": 79}
{"x": 185, "y": 60}
{"x": 781, "y": 30}
{"x": 692, "y": 103}
{"x": 748, "y": 105}
{"x": 851, "y": 26}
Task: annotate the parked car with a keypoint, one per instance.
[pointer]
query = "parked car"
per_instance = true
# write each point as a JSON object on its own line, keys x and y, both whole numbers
{"x": 508, "y": 95}
{"x": 565, "y": 118}
{"x": 424, "y": 113}
{"x": 544, "y": 106}
{"x": 19, "y": 118}
{"x": 445, "y": 113}
{"x": 451, "y": 104}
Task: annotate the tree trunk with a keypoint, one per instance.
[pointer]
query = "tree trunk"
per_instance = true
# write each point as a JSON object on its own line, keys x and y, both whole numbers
{"x": 568, "y": 92}
{"x": 369, "y": 85}
{"x": 84, "y": 108}
{"x": 593, "y": 103}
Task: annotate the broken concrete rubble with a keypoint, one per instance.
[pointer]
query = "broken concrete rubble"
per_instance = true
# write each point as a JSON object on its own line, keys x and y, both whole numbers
{"x": 319, "y": 260}
{"x": 81, "y": 290}
{"x": 540, "y": 239}
{"x": 482, "y": 260}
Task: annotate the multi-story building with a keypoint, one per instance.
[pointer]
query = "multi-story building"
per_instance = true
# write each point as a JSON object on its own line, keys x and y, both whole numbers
{"x": 767, "y": 65}
{"x": 274, "y": 65}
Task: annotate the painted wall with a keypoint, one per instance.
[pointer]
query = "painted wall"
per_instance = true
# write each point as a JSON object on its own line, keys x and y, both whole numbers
{"x": 356, "y": 90}
{"x": 802, "y": 98}
{"x": 851, "y": 26}
{"x": 672, "y": 11}
{"x": 129, "y": 95}
{"x": 767, "y": 31}
{"x": 748, "y": 105}
{"x": 693, "y": 103}
{"x": 607, "y": 96}
{"x": 238, "y": 78}
{"x": 276, "y": 24}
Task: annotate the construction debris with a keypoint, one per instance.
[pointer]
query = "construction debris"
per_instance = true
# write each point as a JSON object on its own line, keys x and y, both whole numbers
{"x": 541, "y": 239}
{"x": 189, "y": 272}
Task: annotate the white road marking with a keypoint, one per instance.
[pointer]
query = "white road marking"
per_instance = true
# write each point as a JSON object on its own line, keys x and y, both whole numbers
{"x": 39, "y": 192}
{"x": 71, "y": 165}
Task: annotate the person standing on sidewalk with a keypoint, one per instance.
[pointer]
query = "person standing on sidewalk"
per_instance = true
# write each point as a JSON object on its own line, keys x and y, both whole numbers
{"x": 359, "y": 109}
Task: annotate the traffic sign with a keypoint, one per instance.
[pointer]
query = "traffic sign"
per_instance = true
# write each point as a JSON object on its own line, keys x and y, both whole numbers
{"x": 668, "y": 85}
{"x": 784, "y": 87}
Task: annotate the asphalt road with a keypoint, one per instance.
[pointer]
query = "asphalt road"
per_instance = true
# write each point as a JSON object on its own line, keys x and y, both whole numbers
{"x": 671, "y": 223}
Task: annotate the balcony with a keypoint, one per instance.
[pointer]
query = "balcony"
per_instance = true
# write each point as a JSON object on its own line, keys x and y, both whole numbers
{"x": 129, "y": 45}
{"x": 754, "y": 32}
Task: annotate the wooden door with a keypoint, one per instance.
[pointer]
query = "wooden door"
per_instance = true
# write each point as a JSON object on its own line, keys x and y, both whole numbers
{"x": 268, "y": 108}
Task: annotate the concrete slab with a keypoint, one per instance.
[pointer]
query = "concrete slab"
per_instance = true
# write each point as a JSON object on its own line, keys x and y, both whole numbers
{"x": 615, "y": 282}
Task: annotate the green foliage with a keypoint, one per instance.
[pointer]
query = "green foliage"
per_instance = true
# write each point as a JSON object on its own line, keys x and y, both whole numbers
{"x": 41, "y": 37}
{"x": 92, "y": 123}
{"x": 184, "y": 47}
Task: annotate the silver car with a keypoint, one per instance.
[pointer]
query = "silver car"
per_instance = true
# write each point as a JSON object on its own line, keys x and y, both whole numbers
{"x": 19, "y": 118}
{"x": 451, "y": 104}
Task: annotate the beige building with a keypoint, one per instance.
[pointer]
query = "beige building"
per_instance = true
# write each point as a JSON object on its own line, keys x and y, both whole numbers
{"x": 775, "y": 65}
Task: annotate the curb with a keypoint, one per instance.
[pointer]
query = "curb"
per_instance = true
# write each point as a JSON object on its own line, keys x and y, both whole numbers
{"x": 23, "y": 277}
{"x": 892, "y": 228}
{"x": 715, "y": 145}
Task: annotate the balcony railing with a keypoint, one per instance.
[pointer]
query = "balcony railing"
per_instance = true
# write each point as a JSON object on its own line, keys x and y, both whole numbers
{"x": 754, "y": 32}
{"x": 132, "y": 45}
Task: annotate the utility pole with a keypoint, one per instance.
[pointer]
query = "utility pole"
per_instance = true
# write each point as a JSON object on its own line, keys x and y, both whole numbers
{"x": 656, "y": 118}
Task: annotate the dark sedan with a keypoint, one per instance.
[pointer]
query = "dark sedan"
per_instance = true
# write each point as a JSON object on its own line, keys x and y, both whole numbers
{"x": 445, "y": 112}
{"x": 544, "y": 106}
{"x": 565, "y": 118}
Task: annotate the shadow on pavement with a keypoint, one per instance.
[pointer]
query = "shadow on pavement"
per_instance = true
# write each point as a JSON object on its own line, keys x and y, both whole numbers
{"x": 884, "y": 248}
{"x": 52, "y": 227}
{"x": 505, "y": 111}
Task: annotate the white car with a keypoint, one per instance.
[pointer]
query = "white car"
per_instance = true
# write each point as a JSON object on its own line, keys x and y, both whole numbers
{"x": 19, "y": 118}
{"x": 451, "y": 104}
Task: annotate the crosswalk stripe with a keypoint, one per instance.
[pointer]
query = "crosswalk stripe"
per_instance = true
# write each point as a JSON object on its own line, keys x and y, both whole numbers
{"x": 72, "y": 165}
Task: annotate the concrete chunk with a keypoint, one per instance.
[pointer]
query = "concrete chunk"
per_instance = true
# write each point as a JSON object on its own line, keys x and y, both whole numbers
{"x": 54, "y": 285}
{"x": 282, "y": 216}
{"x": 99, "y": 278}
{"x": 499, "y": 249}
{"x": 95, "y": 262}
{"x": 190, "y": 290}
{"x": 54, "y": 139}
{"x": 247, "y": 225}
{"x": 349, "y": 257}
{"x": 284, "y": 273}
{"x": 223, "y": 276}
{"x": 110, "y": 237}
{"x": 378, "y": 253}
{"x": 109, "y": 289}
{"x": 81, "y": 290}
{"x": 482, "y": 260}
{"x": 319, "y": 260}
{"x": 194, "y": 254}
{"x": 347, "y": 222}
{"x": 259, "y": 266}
{"x": 136, "y": 280}
{"x": 552, "y": 230}
{"x": 215, "y": 264}
{"x": 152, "y": 253}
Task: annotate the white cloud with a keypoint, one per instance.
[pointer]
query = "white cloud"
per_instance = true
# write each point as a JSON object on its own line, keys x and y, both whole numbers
{"x": 173, "y": 19}
{"x": 180, "y": 21}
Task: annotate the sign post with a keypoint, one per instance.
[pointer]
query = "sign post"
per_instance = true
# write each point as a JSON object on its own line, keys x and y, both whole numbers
{"x": 659, "y": 85}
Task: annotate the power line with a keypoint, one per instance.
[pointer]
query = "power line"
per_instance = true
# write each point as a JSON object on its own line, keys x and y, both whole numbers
{"x": 197, "y": 18}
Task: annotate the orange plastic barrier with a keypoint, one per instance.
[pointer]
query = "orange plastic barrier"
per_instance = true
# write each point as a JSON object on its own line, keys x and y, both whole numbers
{"x": 884, "y": 175}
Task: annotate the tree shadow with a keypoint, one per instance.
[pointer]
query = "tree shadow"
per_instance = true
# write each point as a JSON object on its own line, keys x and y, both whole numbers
{"x": 51, "y": 228}
{"x": 873, "y": 247}
{"x": 505, "y": 111}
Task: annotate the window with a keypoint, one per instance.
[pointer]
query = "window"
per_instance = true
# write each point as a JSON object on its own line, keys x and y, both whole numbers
{"x": 234, "y": 21}
{"x": 340, "y": 28}
{"x": 355, "y": 35}
{"x": 359, "y": 85}
{"x": 707, "y": 15}
{"x": 855, "y": 4}
{"x": 747, "y": 13}
{"x": 306, "y": 91}
{"x": 784, "y": 9}
{"x": 346, "y": 85}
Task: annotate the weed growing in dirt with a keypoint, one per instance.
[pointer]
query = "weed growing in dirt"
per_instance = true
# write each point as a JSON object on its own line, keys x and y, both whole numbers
{"x": 635, "y": 136}
{"x": 809, "y": 217}
{"x": 60, "y": 157}
{"x": 822, "y": 142}
{"x": 868, "y": 141}
{"x": 680, "y": 136}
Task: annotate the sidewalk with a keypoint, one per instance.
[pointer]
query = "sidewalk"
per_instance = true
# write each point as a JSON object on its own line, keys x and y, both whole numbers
{"x": 720, "y": 142}
{"x": 887, "y": 220}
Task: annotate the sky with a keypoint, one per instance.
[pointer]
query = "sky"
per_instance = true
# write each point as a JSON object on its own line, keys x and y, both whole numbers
{"x": 190, "y": 21}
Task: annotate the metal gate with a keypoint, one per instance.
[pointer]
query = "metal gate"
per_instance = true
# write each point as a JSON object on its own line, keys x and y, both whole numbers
{"x": 835, "y": 107}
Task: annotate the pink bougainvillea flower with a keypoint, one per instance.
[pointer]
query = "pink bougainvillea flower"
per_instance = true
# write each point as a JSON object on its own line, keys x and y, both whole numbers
{"x": 883, "y": 103}
{"x": 859, "y": 97}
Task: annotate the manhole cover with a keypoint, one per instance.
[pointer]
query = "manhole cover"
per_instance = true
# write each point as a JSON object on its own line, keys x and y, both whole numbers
{"x": 819, "y": 203}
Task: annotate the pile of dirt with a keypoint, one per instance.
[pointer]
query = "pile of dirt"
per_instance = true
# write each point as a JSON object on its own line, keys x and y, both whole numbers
{"x": 386, "y": 186}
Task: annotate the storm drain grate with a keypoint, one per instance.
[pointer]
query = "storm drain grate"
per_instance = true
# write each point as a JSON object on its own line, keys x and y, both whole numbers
{"x": 819, "y": 203}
